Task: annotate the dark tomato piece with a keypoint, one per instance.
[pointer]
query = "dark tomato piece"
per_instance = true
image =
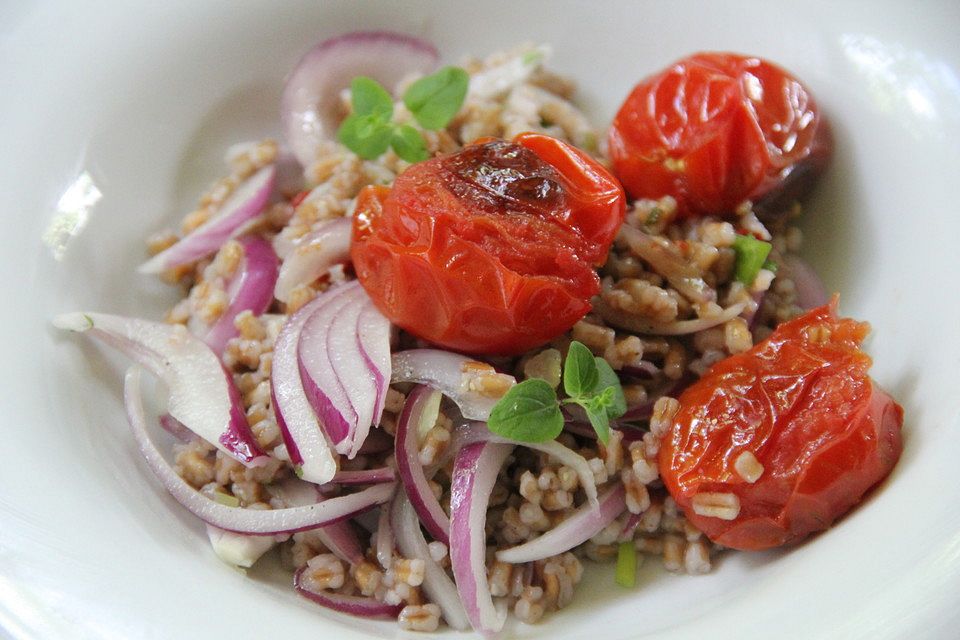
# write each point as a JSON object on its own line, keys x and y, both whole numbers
{"x": 776, "y": 443}
{"x": 716, "y": 129}
{"x": 491, "y": 249}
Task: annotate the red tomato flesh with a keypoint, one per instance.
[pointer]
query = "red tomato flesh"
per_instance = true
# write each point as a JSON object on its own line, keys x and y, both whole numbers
{"x": 802, "y": 404}
{"x": 491, "y": 249}
{"x": 715, "y": 129}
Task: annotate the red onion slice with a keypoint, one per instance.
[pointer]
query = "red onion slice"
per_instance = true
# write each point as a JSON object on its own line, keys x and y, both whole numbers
{"x": 359, "y": 606}
{"x": 251, "y": 289}
{"x": 585, "y": 523}
{"x": 383, "y": 542}
{"x": 236, "y": 519}
{"x": 448, "y": 373}
{"x": 345, "y": 400}
{"x": 339, "y": 537}
{"x": 475, "y": 471}
{"x": 351, "y": 366}
{"x": 810, "y": 289}
{"x": 202, "y": 394}
{"x": 478, "y": 432}
{"x": 365, "y": 476}
{"x": 373, "y": 334}
{"x": 436, "y": 583}
{"x": 312, "y": 255}
{"x": 324, "y": 390}
{"x": 630, "y": 322}
{"x": 421, "y": 406}
{"x": 175, "y": 428}
{"x": 310, "y": 105}
{"x": 303, "y": 436}
{"x": 246, "y": 202}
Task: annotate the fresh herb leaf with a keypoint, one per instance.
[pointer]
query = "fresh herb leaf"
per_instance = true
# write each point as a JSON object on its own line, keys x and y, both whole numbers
{"x": 368, "y": 136}
{"x": 435, "y": 99}
{"x": 580, "y": 374}
{"x": 608, "y": 382}
{"x": 751, "y": 254}
{"x": 529, "y": 412}
{"x": 599, "y": 420}
{"x": 626, "y": 573}
{"x": 369, "y": 98}
{"x": 652, "y": 216}
{"x": 408, "y": 143}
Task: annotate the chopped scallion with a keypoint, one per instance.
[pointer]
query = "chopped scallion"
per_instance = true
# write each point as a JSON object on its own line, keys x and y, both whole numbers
{"x": 626, "y": 575}
{"x": 751, "y": 256}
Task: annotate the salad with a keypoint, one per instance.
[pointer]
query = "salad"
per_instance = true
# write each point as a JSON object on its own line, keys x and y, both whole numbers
{"x": 447, "y": 341}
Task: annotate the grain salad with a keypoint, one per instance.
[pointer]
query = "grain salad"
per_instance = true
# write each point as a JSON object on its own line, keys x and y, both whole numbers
{"x": 377, "y": 396}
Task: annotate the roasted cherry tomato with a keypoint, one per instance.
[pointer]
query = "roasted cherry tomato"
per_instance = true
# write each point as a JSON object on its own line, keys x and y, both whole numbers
{"x": 776, "y": 443}
{"x": 491, "y": 249}
{"x": 716, "y": 129}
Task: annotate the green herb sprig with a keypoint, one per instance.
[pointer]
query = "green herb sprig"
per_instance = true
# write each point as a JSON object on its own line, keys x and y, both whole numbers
{"x": 433, "y": 100}
{"x": 530, "y": 411}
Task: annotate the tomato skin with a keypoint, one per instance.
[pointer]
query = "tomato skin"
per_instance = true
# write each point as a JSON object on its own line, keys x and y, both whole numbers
{"x": 715, "y": 129}
{"x": 805, "y": 407}
{"x": 488, "y": 250}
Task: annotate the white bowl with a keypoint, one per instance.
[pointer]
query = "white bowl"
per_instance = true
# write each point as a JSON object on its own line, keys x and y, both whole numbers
{"x": 114, "y": 118}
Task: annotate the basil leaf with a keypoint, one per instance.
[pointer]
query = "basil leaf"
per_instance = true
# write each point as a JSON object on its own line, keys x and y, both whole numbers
{"x": 607, "y": 380}
{"x": 751, "y": 254}
{"x": 369, "y": 98}
{"x": 367, "y": 136}
{"x": 527, "y": 413}
{"x": 408, "y": 143}
{"x": 580, "y": 374}
{"x": 435, "y": 99}
{"x": 600, "y": 422}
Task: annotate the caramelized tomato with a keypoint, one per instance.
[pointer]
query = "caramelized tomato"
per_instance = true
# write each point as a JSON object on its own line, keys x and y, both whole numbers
{"x": 491, "y": 249}
{"x": 794, "y": 430}
{"x": 716, "y": 129}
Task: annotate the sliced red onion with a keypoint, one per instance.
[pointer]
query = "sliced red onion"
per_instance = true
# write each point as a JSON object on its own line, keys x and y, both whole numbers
{"x": 478, "y": 432}
{"x": 627, "y": 321}
{"x": 629, "y": 527}
{"x": 585, "y": 523}
{"x": 475, "y": 471}
{"x": 421, "y": 407}
{"x": 345, "y": 400}
{"x": 312, "y": 255}
{"x": 246, "y": 202}
{"x": 237, "y": 549}
{"x": 360, "y": 606}
{"x": 811, "y": 292}
{"x": 436, "y": 583}
{"x": 175, "y": 428}
{"x": 251, "y": 289}
{"x": 305, "y": 438}
{"x": 365, "y": 476}
{"x": 644, "y": 370}
{"x": 373, "y": 334}
{"x": 310, "y": 106}
{"x": 202, "y": 394}
{"x": 339, "y": 537}
{"x": 383, "y": 542}
{"x": 449, "y": 373}
{"x": 236, "y": 519}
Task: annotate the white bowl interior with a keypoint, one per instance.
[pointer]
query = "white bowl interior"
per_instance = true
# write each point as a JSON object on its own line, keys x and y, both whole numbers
{"x": 122, "y": 118}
